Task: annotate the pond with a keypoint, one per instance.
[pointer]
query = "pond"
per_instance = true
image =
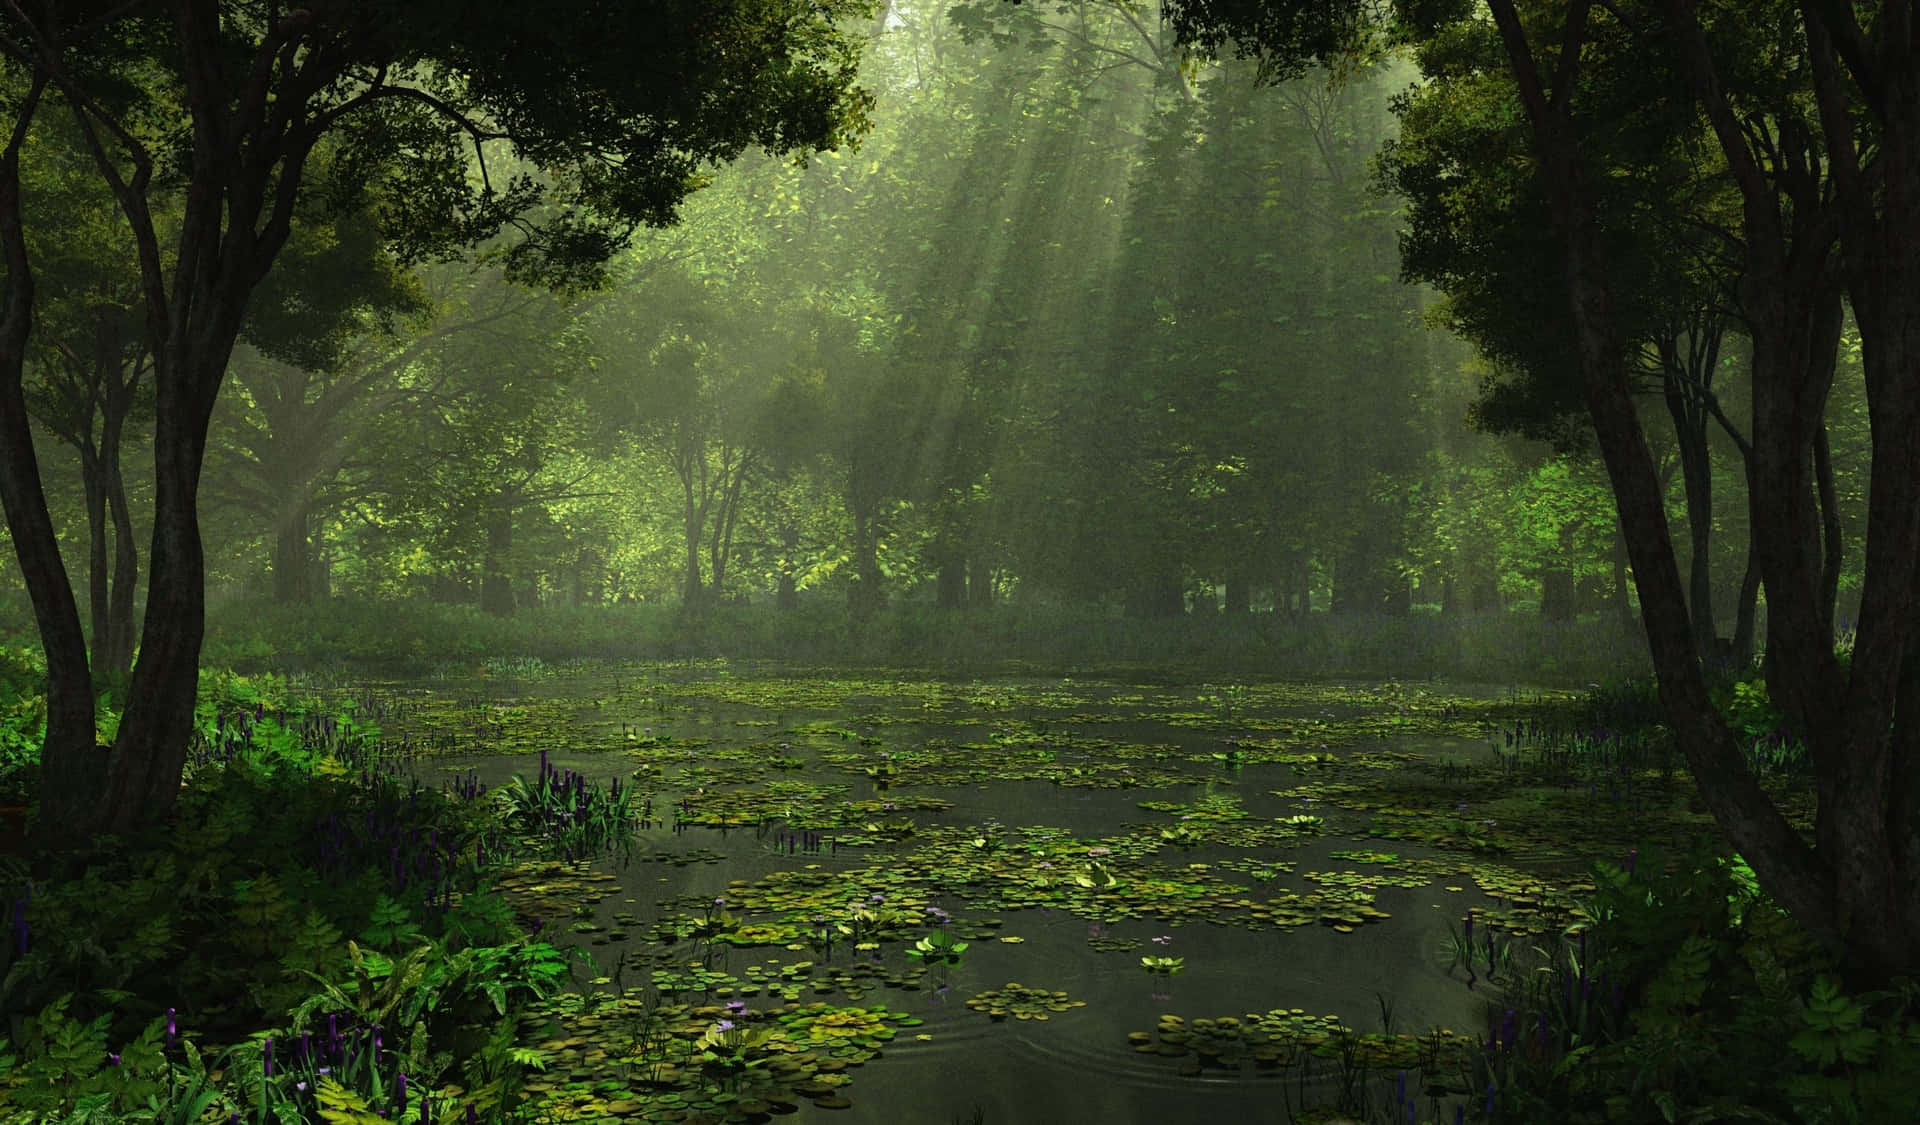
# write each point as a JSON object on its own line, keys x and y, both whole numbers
{"x": 868, "y": 897}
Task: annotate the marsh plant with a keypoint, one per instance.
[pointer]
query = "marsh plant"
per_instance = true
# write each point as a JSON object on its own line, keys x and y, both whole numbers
{"x": 566, "y": 815}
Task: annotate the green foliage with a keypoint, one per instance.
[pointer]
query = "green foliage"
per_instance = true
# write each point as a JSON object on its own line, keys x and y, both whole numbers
{"x": 391, "y": 926}
{"x": 1748, "y": 709}
{"x": 1728, "y": 1009}
{"x": 23, "y": 721}
{"x": 66, "y": 1075}
{"x": 938, "y": 948}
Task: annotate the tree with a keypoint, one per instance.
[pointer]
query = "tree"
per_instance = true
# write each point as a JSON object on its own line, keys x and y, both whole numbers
{"x": 1856, "y": 887}
{"x": 322, "y": 358}
{"x": 89, "y": 360}
{"x": 613, "y": 109}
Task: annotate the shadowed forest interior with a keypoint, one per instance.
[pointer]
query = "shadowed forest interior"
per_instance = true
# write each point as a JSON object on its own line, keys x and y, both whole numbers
{"x": 655, "y": 562}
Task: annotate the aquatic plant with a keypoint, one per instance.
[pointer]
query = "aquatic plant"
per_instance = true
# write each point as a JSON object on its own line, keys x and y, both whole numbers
{"x": 938, "y": 948}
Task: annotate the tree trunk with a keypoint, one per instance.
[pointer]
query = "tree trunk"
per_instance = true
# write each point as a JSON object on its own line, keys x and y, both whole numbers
{"x": 1155, "y": 596}
{"x": 587, "y": 577}
{"x": 115, "y": 660}
{"x": 1556, "y": 582}
{"x": 1622, "y": 604}
{"x": 979, "y": 583}
{"x": 865, "y": 596}
{"x": 71, "y": 764}
{"x": 1239, "y": 597}
{"x": 692, "y": 589}
{"x": 1696, "y": 472}
{"x": 1797, "y": 878}
{"x": 1743, "y": 626}
{"x": 1556, "y": 594}
{"x": 99, "y": 596}
{"x": 292, "y": 562}
{"x": 950, "y": 584}
{"x": 720, "y": 544}
{"x": 496, "y": 582}
{"x": 1833, "y": 545}
{"x": 1866, "y": 763}
{"x": 1293, "y": 592}
{"x": 144, "y": 768}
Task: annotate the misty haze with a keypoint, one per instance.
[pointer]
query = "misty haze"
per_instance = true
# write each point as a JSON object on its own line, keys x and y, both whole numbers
{"x": 1065, "y": 562}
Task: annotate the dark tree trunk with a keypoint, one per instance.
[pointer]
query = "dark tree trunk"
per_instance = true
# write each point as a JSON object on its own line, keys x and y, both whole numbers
{"x": 865, "y": 596}
{"x": 950, "y": 584}
{"x": 114, "y": 661}
{"x": 588, "y": 578}
{"x": 143, "y": 770}
{"x": 1791, "y": 871}
{"x": 720, "y": 548}
{"x": 1556, "y": 594}
{"x": 1833, "y": 545}
{"x": 1622, "y": 603}
{"x": 1696, "y": 472}
{"x": 1865, "y": 753}
{"x": 1293, "y": 593}
{"x": 99, "y": 580}
{"x": 692, "y": 589}
{"x": 71, "y": 763}
{"x": 979, "y": 583}
{"x": 1741, "y": 654}
{"x": 1154, "y": 597}
{"x": 292, "y": 560}
{"x": 1239, "y": 597}
{"x": 496, "y": 580}
{"x": 1557, "y": 583}
{"x": 1484, "y": 594}
{"x": 1349, "y": 589}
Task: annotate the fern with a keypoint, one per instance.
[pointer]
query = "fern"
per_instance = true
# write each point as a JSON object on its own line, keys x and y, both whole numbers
{"x": 341, "y": 1106}
{"x": 391, "y": 927}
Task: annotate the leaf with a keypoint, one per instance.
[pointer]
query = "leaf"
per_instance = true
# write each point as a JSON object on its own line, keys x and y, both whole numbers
{"x": 341, "y": 1106}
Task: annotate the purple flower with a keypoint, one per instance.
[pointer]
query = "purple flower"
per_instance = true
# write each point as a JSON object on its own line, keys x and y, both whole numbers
{"x": 266, "y": 1058}
{"x": 736, "y": 1006}
{"x": 724, "y": 1025}
{"x": 1163, "y": 939}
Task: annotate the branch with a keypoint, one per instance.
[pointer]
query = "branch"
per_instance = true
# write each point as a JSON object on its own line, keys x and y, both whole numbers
{"x": 1837, "y": 19}
{"x": 1566, "y": 70}
{"x": 377, "y": 89}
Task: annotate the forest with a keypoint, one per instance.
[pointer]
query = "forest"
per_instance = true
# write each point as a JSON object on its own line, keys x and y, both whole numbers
{"x": 1404, "y": 514}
